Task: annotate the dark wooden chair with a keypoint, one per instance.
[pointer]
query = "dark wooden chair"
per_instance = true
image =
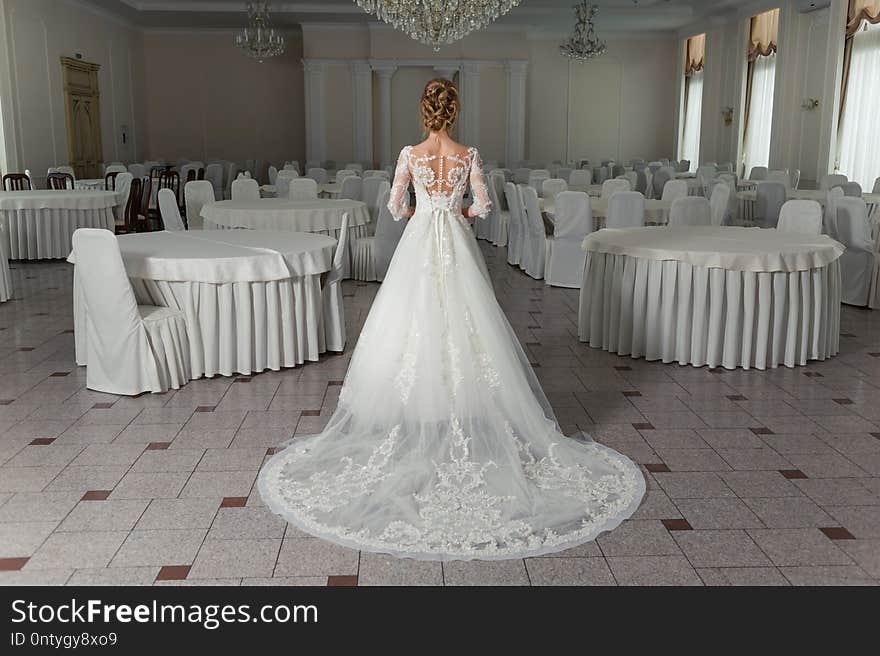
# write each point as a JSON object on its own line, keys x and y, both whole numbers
{"x": 156, "y": 171}
{"x": 201, "y": 175}
{"x": 110, "y": 181}
{"x": 142, "y": 220}
{"x": 16, "y": 182}
{"x": 59, "y": 181}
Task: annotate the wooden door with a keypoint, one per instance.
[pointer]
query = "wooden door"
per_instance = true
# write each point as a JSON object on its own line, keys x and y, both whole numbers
{"x": 82, "y": 105}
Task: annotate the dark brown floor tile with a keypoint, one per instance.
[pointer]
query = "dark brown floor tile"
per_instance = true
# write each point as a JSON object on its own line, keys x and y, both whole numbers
{"x": 7, "y": 401}
{"x": 96, "y": 495}
{"x": 737, "y": 397}
{"x": 843, "y": 401}
{"x": 102, "y": 406}
{"x": 59, "y": 374}
{"x": 42, "y": 441}
{"x": 643, "y": 426}
{"x": 233, "y": 502}
{"x": 632, "y": 393}
{"x": 311, "y": 413}
{"x": 157, "y": 446}
{"x": 12, "y": 564}
{"x": 657, "y": 468}
{"x": 677, "y": 525}
{"x": 344, "y": 581}
{"x": 837, "y": 533}
{"x": 243, "y": 379}
{"x": 173, "y": 573}
{"x": 792, "y": 474}
{"x": 762, "y": 431}
{"x": 205, "y": 408}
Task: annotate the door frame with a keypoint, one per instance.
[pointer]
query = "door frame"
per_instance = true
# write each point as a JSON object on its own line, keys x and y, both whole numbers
{"x": 72, "y": 69}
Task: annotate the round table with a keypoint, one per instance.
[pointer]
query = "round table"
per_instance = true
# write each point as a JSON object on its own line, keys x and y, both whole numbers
{"x": 656, "y": 211}
{"x": 728, "y": 296}
{"x": 252, "y": 299}
{"x": 39, "y": 224}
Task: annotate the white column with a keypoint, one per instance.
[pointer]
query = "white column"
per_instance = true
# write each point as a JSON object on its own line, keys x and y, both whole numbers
{"x": 316, "y": 135}
{"x": 830, "y": 99}
{"x": 362, "y": 111}
{"x": 385, "y": 72}
{"x": 516, "y": 111}
{"x": 469, "y": 84}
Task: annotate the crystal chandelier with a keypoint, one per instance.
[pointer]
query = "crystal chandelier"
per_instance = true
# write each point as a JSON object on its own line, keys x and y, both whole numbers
{"x": 437, "y": 22}
{"x": 259, "y": 39}
{"x": 583, "y": 44}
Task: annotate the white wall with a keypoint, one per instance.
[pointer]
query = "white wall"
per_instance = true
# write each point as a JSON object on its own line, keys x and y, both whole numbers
{"x": 35, "y": 35}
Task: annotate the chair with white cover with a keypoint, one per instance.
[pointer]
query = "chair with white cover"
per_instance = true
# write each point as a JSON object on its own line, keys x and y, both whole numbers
{"x": 357, "y": 167}
{"x": 345, "y": 173}
{"x": 626, "y": 209}
{"x": 536, "y": 179}
{"x": 376, "y": 173}
{"x": 169, "y": 210}
{"x": 801, "y": 216}
{"x": 282, "y": 182}
{"x": 214, "y": 175}
{"x": 302, "y": 189}
{"x": 515, "y": 228}
{"x": 782, "y": 177}
{"x": 580, "y": 179}
{"x": 758, "y": 173}
{"x": 521, "y": 175}
{"x": 352, "y": 188}
{"x": 273, "y": 175}
{"x": 292, "y": 166}
{"x": 674, "y": 189}
{"x": 858, "y": 260}
{"x": 829, "y": 216}
{"x": 372, "y": 190}
{"x": 633, "y": 178}
{"x": 851, "y": 189}
{"x": 769, "y": 199}
{"x": 719, "y": 204}
{"x": 600, "y": 174}
{"x": 137, "y": 170}
{"x": 333, "y": 317}
{"x": 115, "y": 168}
{"x": 123, "y": 190}
{"x": 197, "y": 194}
{"x": 371, "y": 256}
{"x": 691, "y": 211}
{"x": 552, "y": 187}
{"x": 535, "y": 235}
{"x": 499, "y": 218}
{"x": 830, "y": 181}
{"x": 312, "y": 164}
{"x": 614, "y": 186}
{"x": 318, "y": 174}
{"x": 794, "y": 178}
{"x": 563, "y": 173}
{"x": 229, "y": 176}
{"x": 246, "y": 189}
{"x": 876, "y": 189}
{"x": 130, "y": 348}
{"x": 573, "y": 220}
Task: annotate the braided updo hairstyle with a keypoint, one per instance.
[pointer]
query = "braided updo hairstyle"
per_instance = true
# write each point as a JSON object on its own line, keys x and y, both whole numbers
{"x": 439, "y": 105}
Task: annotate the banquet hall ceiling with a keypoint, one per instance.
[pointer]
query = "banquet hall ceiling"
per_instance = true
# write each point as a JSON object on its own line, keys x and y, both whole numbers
{"x": 614, "y": 15}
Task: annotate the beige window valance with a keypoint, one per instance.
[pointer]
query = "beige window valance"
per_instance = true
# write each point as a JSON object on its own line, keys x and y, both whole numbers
{"x": 861, "y": 11}
{"x": 764, "y": 34}
{"x": 696, "y": 52}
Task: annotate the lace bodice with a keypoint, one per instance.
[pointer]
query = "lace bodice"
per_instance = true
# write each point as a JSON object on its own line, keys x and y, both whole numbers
{"x": 440, "y": 182}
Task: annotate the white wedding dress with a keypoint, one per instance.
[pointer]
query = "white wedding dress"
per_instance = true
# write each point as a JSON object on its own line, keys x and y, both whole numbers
{"x": 443, "y": 445}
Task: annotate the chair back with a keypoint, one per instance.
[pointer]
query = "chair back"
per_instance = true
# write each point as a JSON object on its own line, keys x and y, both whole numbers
{"x": 59, "y": 181}
{"x": 626, "y": 209}
{"x": 691, "y": 211}
{"x": 388, "y": 234}
{"x": 303, "y": 189}
{"x": 573, "y": 216}
{"x": 580, "y": 178}
{"x": 614, "y": 186}
{"x": 338, "y": 270}
{"x": 352, "y": 188}
{"x": 352, "y": 166}
{"x": 170, "y": 180}
{"x": 345, "y": 173}
{"x": 661, "y": 176}
{"x": 110, "y": 181}
{"x": 115, "y": 168}
{"x": 273, "y": 175}
{"x": 851, "y": 189}
{"x": 719, "y": 204}
{"x": 674, "y": 189}
{"x": 617, "y": 170}
{"x": 169, "y": 211}
{"x": 372, "y": 191}
{"x": 282, "y": 182}
{"x": 794, "y": 178}
{"x": 633, "y": 178}
{"x": 521, "y": 175}
{"x": 197, "y": 194}
{"x": 214, "y": 175}
{"x": 563, "y": 173}
{"x": 123, "y": 190}
{"x": 246, "y": 189}
{"x": 65, "y": 168}
{"x": 533, "y": 219}
{"x": 833, "y": 180}
{"x": 782, "y": 177}
{"x": 770, "y": 197}
{"x": 318, "y": 174}
{"x": 376, "y": 173}
{"x": 876, "y": 189}
{"x": 853, "y": 228}
{"x": 801, "y": 216}
{"x": 758, "y": 173}
{"x": 553, "y": 186}
{"x": 829, "y": 218}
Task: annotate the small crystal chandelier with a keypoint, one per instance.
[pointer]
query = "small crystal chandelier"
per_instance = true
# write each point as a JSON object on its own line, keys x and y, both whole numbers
{"x": 583, "y": 44}
{"x": 437, "y": 22}
{"x": 259, "y": 39}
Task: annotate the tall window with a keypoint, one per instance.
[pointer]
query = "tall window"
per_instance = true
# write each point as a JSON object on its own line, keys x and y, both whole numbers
{"x": 693, "y": 100}
{"x": 759, "y": 89}
{"x": 859, "y": 136}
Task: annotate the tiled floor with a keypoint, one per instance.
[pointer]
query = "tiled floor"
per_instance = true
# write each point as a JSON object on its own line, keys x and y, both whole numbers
{"x": 755, "y": 478}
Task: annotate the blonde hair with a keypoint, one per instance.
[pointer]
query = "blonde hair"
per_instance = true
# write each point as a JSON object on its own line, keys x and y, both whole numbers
{"x": 439, "y": 105}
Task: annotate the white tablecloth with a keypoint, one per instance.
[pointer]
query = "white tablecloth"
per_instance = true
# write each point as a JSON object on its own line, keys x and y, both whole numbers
{"x": 656, "y": 211}
{"x": 252, "y": 300}
{"x": 95, "y": 184}
{"x": 734, "y": 297}
{"x": 39, "y": 224}
{"x": 747, "y": 200}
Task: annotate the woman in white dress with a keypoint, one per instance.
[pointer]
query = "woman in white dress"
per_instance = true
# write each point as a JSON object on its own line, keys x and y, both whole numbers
{"x": 443, "y": 445}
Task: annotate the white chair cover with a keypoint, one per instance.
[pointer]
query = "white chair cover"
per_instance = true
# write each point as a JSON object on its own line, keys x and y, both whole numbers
{"x": 632, "y": 177}
{"x": 782, "y": 177}
{"x": 858, "y": 261}
{"x": 303, "y": 189}
{"x": 876, "y": 189}
{"x": 521, "y": 175}
{"x": 563, "y": 173}
{"x": 499, "y": 218}
{"x": 131, "y": 349}
{"x": 138, "y": 170}
{"x": 829, "y": 218}
{"x": 371, "y": 256}
{"x": 345, "y": 173}
{"x": 197, "y": 194}
{"x": 831, "y": 181}
{"x": 582, "y": 178}
{"x": 5, "y": 276}
{"x": 801, "y": 216}
{"x": 663, "y": 175}
{"x": 626, "y": 209}
{"x": 282, "y": 182}
{"x": 230, "y": 175}
{"x": 674, "y": 189}
{"x": 333, "y": 319}
{"x": 273, "y": 175}
{"x": 691, "y": 210}
{"x": 614, "y": 186}
{"x": 214, "y": 176}
{"x": 374, "y": 173}
{"x": 515, "y": 229}
{"x": 115, "y": 168}
{"x": 794, "y": 178}
{"x": 169, "y": 210}
{"x": 318, "y": 174}
{"x": 553, "y": 186}
{"x": 535, "y": 236}
{"x": 851, "y": 189}
{"x": 123, "y": 191}
{"x": 357, "y": 167}
{"x": 573, "y": 220}
{"x": 373, "y": 188}
{"x": 352, "y": 188}
{"x": 770, "y": 197}
{"x": 719, "y": 204}
{"x": 245, "y": 189}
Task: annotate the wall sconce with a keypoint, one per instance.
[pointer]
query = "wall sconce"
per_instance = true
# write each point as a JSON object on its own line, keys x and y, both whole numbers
{"x": 810, "y": 104}
{"x": 727, "y": 115}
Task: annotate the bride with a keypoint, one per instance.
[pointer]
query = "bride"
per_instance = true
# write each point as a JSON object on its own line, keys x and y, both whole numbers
{"x": 443, "y": 445}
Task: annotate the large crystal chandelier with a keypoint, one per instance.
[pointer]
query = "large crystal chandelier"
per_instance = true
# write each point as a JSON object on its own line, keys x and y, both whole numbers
{"x": 259, "y": 39}
{"x": 583, "y": 44}
{"x": 437, "y": 22}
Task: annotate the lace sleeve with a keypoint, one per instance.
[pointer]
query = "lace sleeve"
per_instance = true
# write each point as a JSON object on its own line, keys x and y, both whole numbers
{"x": 398, "y": 200}
{"x": 481, "y": 205}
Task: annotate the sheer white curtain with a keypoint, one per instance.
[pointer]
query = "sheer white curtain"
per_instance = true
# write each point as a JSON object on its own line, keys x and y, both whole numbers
{"x": 757, "y": 140}
{"x": 860, "y": 128}
{"x": 690, "y": 138}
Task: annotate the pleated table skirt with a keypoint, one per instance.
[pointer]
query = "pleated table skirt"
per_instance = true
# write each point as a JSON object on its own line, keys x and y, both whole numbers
{"x": 236, "y": 328}
{"x": 5, "y": 277}
{"x": 676, "y": 312}
{"x": 40, "y": 234}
